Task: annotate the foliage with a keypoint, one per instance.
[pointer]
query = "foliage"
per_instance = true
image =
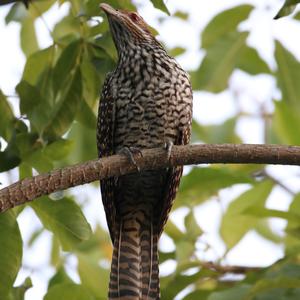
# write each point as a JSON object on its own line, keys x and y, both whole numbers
{"x": 59, "y": 92}
{"x": 288, "y": 7}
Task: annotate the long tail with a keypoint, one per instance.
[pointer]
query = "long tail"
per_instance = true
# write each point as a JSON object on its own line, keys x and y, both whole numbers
{"x": 134, "y": 270}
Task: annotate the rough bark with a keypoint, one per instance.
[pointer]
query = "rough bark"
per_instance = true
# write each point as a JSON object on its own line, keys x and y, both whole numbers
{"x": 30, "y": 188}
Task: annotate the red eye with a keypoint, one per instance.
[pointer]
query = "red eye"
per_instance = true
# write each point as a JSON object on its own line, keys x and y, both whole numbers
{"x": 134, "y": 17}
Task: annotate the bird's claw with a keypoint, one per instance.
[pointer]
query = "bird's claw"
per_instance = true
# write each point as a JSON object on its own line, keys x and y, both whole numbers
{"x": 129, "y": 152}
{"x": 168, "y": 146}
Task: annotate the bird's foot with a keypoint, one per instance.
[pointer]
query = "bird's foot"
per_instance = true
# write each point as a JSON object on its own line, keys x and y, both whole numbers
{"x": 129, "y": 152}
{"x": 168, "y": 147}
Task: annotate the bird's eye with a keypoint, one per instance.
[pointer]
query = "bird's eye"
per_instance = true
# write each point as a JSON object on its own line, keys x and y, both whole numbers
{"x": 134, "y": 17}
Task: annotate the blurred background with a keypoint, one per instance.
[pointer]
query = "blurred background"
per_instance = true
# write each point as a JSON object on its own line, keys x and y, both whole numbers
{"x": 245, "y": 71}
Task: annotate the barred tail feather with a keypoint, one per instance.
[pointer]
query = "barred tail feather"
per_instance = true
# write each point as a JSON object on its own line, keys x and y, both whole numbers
{"x": 150, "y": 263}
{"x": 134, "y": 269}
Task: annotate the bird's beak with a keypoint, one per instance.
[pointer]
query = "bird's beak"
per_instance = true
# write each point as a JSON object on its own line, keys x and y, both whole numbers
{"x": 108, "y": 9}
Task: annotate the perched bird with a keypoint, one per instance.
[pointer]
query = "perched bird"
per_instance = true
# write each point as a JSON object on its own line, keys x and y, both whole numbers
{"x": 146, "y": 102}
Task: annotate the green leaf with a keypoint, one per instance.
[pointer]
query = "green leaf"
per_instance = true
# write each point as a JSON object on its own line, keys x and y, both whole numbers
{"x": 163, "y": 256}
{"x": 68, "y": 26}
{"x": 98, "y": 246}
{"x": 26, "y": 144}
{"x": 39, "y": 7}
{"x": 26, "y": 171}
{"x": 58, "y": 149}
{"x": 45, "y": 86}
{"x": 267, "y": 284}
{"x": 17, "y": 13}
{"x": 29, "y": 43}
{"x": 37, "y": 233}
{"x": 18, "y": 293}
{"x": 287, "y": 75}
{"x": 235, "y": 222}
{"x": 202, "y": 183}
{"x": 251, "y": 62}
{"x": 236, "y": 293}
{"x": 29, "y": 97}
{"x": 295, "y": 208}
{"x": 39, "y": 161}
{"x": 66, "y": 108}
{"x": 7, "y": 118}
{"x": 184, "y": 250}
{"x": 55, "y": 252}
{"x": 181, "y": 15}
{"x": 68, "y": 291}
{"x": 33, "y": 104}
{"x": 227, "y": 52}
{"x": 175, "y": 283}
{"x": 193, "y": 230}
{"x": 280, "y": 281}
{"x": 223, "y": 24}
{"x": 230, "y": 52}
{"x": 160, "y": 5}
{"x": 86, "y": 116}
{"x": 264, "y": 228}
{"x": 287, "y": 8}
{"x": 198, "y": 294}
{"x": 284, "y": 268}
{"x": 278, "y": 294}
{"x": 226, "y": 46}
{"x": 10, "y": 157}
{"x": 297, "y": 16}
{"x": 67, "y": 62}
{"x": 211, "y": 134}
{"x": 11, "y": 251}
{"x": 60, "y": 277}
{"x": 272, "y": 213}
{"x": 83, "y": 140}
{"x": 176, "y": 51}
{"x": 105, "y": 42}
{"x": 91, "y": 81}
{"x": 94, "y": 277}
{"x": 292, "y": 239}
{"x": 286, "y": 123}
{"x": 173, "y": 231}
{"x": 37, "y": 63}
{"x": 65, "y": 219}
{"x": 98, "y": 29}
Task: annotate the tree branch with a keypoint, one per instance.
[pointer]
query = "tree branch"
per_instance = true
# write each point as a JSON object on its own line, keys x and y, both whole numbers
{"x": 30, "y": 188}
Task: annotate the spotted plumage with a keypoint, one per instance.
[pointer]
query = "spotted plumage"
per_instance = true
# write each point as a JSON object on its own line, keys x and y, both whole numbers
{"x": 146, "y": 102}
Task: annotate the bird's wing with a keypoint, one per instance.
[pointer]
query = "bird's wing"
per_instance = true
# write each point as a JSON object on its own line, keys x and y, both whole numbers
{"x": 105, "y": 138}
{"x": 173, "y": 180}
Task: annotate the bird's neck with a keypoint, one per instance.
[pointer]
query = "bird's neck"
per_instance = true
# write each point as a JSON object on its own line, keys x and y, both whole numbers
{"x": 141, "y": 54}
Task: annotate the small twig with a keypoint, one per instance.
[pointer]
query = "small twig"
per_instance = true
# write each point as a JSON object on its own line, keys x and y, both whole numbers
{"x": 30, "y": 188}
{"x": 279, "y": 183}
{"x": 229, "y": 269}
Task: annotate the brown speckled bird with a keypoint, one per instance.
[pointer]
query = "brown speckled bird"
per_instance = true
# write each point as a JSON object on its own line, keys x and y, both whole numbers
{"x": 146, "y": 102}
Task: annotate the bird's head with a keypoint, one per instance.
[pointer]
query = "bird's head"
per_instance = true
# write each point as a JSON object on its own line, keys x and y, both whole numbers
{"x": 127, "y": 28}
